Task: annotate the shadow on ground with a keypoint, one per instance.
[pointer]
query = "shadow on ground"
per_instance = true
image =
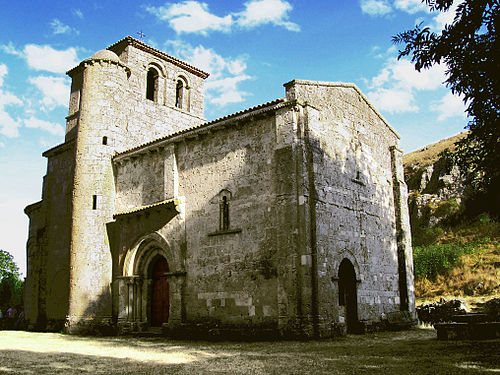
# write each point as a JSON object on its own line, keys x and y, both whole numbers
{"x": 412, "y": 352}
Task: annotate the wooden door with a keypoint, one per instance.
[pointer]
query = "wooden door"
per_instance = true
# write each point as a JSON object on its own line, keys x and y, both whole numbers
{"x": 160, "y": 304}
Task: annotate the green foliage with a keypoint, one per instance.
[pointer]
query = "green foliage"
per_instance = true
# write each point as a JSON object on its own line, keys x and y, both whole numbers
{"x": 447, "y": 208}
{"x": 7, "y": 265}
{"x": 11, "y": 286}
{"x": 485, "y": 219}
{"x": 469, "y": 48}
{"x": 437, "y": 259}
{"x": 433, "y": 260}
{"x": 426, "y": 236}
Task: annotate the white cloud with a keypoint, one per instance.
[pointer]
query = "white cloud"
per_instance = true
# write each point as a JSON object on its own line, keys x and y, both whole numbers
{"x": 381, "y": 78}
{"x": 191, "y": 17}
{"x": 78, "y": 13}
{"x": 11, "y": 49}
{"x": 395, "y": 87}
{"x": 60, "y": 28}
{"x": 8, "y": 125}
{"x": 194, "y": 17}
{"x": 51, "y": 127}
{"x": 444, "y": 18}
{"x": 224, "y": 90}
{"x": 45, "y": 143}
{"x": 55, "y": 90}
{"x": 403, "y": 71}
{"x": 375, "y": 7}
{"x": 259, "y": 12}
{"x": 3, "y": 72}
{"x": 411, "y": 6}
{"x": 376, "y": 51}
{"x": 49, "y": 59}
{"x": 45, "y": 57}
{"x": 393, "y": 100}
{"x": 225, "y": 73}
{"x": 449, "y": 106}
{"x": 402, "y": 74}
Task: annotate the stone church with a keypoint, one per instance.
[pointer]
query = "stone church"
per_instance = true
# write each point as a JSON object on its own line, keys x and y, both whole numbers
{"x": 287, "y": 219}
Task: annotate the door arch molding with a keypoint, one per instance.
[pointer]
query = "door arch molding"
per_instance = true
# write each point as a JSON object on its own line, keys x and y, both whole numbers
{"x": 136, "y": 283}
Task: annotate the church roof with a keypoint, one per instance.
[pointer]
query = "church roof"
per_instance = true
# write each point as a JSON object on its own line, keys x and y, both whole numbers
{"x": 162, "y": 55}
{"x": 174, "y": 201}
{"x": 261, "y": 108}
{"x": 105, "y": 54}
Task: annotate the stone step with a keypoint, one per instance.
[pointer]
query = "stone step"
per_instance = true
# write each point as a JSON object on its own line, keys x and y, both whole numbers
{"x": 150, "y": 332}
{"x": 468, "y": 331}
{"x": 470, "y": 318}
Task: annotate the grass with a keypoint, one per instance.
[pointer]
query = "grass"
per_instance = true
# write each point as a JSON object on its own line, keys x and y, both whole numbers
{"x": 461, "y": 261}
{"x": 414, "y": 352}
{"x": 430, "y": 154}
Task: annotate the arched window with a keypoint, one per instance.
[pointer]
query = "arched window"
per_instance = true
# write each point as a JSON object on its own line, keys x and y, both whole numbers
{"x": 224, "y": 214}
{"x": 179, "y": 92}
{"x": 152, "y": 85}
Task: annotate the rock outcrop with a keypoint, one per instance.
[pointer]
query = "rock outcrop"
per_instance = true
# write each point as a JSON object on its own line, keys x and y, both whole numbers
{"x": 435, "y": 184}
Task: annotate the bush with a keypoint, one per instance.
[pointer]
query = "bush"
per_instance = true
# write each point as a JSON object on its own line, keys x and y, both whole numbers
{"x": 426, "y": 236}
{"x": 438, "y": 259}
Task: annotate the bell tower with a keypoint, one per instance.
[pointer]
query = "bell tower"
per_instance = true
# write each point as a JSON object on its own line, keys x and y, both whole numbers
{"x": 99, "y": 122}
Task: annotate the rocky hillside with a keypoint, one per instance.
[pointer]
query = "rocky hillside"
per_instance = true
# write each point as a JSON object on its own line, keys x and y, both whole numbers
{"x": 434, "y": 184}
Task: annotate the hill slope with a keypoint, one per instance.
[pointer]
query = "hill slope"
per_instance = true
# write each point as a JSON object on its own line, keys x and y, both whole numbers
{"x": 429, "y": 154}
{"x": 460, "y": 260}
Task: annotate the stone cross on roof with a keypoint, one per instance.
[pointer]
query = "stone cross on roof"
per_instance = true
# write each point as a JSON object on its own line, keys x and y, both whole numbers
{"x": 141, "y": 35}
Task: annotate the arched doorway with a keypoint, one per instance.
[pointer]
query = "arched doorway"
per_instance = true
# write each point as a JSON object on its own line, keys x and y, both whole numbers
{"x": 160, "y": 299}
{"x": 348, "y": 294}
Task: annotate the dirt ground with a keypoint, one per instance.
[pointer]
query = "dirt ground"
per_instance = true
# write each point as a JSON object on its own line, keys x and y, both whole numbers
{"x": 412, "y": 352}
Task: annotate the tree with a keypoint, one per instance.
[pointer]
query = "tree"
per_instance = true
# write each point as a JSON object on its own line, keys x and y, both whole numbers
{"x": 7, "y": 265}
{"x": 470, "y": 49}
{"x": 11, "y": 286}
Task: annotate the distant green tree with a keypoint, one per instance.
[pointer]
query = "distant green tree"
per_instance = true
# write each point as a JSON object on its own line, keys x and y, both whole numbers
{"x": 11, "y": 286}
{"x": 7, "y": 265}
{"x": 470, "y": 49}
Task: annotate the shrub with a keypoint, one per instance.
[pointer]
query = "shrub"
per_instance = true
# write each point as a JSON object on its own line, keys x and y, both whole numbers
{"x": 447, "y": 209}
{"x": 426, "y": 236}
{"x": 438, "y": 259}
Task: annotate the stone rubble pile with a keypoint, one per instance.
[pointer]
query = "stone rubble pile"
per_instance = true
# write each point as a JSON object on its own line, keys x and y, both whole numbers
{"x": 441, "y": 311}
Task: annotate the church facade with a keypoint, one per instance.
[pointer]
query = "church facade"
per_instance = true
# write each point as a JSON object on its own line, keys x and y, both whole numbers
{"x": 286, "y": 219}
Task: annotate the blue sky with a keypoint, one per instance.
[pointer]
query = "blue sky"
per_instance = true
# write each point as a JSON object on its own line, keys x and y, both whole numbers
{"x": 250, "y": 48}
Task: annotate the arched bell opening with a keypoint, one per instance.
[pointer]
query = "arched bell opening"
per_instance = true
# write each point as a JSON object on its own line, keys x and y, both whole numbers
{"x": 152, "y": 84}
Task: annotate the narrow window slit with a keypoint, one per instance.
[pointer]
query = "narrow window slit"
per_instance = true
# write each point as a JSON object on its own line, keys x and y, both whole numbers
{"x": 94, "y": 202}
{"x": 224, "y": 214}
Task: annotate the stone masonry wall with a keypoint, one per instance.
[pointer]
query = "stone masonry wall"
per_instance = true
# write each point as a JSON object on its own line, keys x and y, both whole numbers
{"x": 146, "y": 119}
{"x": 100, "y": 115}
{"x": 230, "y": 275}
{"x": 57, "y": 191}
{"x": 35, "y": 271}
{"x": 350, "y": 147}
{"x": 46, "y": 289}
